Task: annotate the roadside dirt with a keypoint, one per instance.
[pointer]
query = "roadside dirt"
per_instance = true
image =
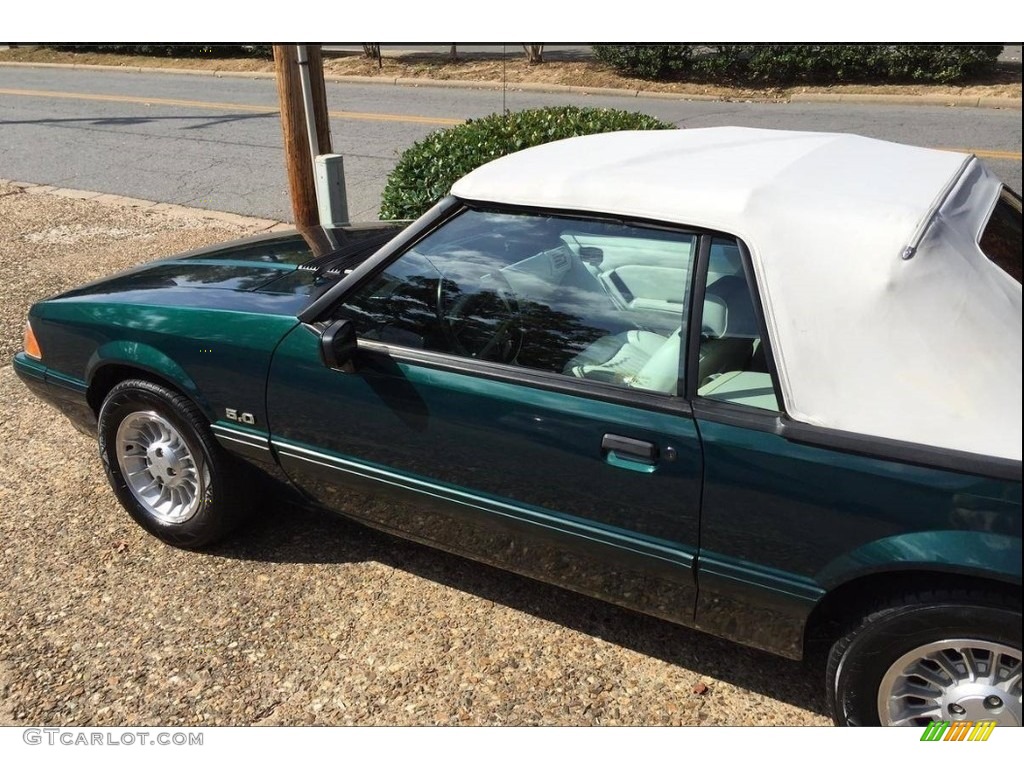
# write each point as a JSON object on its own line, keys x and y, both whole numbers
{"x": 515, "y": 70}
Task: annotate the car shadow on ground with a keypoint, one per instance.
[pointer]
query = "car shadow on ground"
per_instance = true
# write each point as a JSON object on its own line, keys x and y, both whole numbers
{"x": 285, "y": 533}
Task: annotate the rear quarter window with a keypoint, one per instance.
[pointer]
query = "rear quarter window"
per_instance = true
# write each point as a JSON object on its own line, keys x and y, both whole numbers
{"x": 1001, "y": 239}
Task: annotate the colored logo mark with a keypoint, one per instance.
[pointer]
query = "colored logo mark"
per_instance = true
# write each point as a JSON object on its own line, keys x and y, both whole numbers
{"x": 962, "y": 730}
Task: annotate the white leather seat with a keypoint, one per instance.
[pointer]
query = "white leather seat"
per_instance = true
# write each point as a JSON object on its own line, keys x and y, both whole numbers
{"x": 650, "y": 361}
{"x": 729, "y": 328}
{"x": 613, "y": 358}
{"x": 661, "y": 372}
{"x": 639, "y": 359}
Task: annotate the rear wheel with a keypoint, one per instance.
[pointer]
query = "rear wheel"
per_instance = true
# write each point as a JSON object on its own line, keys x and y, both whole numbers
{"x": 166, "y": 468}
{"x": 951, "y": 655}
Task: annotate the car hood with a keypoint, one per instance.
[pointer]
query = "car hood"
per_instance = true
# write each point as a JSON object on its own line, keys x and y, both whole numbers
{"x": 278, "y": 273}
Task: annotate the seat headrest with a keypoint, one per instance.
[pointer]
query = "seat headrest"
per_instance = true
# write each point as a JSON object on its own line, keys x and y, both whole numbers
{"x": 714, "y": 316}
{"x": 732, "y": 311}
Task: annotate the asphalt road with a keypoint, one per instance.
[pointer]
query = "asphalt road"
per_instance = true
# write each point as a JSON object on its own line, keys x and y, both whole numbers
{"x": 216, "y": 143}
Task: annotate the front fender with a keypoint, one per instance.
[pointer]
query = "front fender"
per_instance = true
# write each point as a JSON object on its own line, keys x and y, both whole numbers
{"x": 151, "y": 360}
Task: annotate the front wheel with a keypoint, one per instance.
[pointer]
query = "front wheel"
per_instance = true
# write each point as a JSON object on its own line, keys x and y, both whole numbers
{"x": 165, "y": 467}
{"x": 942, "y": 656}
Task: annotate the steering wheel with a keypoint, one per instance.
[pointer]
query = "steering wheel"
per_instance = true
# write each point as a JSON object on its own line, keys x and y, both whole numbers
{"x": 480, "y": 316}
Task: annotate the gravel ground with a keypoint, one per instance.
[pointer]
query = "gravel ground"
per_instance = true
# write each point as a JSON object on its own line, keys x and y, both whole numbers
{"x": 302, "y": 618}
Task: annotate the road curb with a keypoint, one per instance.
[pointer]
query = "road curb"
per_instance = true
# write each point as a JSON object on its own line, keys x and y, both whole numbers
{"x": 991, "y": 102}
{"x": 120, "y": 201}
{"x": 923, "y": 100}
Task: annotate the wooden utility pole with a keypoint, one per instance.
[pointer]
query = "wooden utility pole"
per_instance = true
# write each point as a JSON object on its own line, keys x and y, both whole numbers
{"x": 316, "y": 74}
{"x": 297, "y": 159}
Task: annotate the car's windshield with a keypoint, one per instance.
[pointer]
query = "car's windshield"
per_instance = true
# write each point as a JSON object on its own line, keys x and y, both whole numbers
{"x": 1001, "y": 238}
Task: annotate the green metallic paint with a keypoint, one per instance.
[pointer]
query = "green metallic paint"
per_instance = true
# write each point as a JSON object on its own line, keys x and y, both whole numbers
{"x": 197, "y": 321}
{"x": 181, "y": 320}
{"x": 29, "y": 367}
{"x": 248, "y": 442}
{"x": 777, "y": 584}
{"x": 33, "y": 374}
{"x": 228, "y": 262}
{"x": 289, "y": 247}
{"x": 762, "y": 607}
{"x": 145, "y": 358}
{"x": 972, "y": 553}
{"x": 798, "y": 507}
{"x": 530, "y": 453}
{"x": 461, "y": 423}
{"x": 792, "y": 514}
{"x": 68, "y": 382}
{"x": 253, "y": 434}
{"x": 468, "y": 498}
{"x": 593, "y": 560}
{"x": 65, "y": 393}
{"x": 218, "y": 358}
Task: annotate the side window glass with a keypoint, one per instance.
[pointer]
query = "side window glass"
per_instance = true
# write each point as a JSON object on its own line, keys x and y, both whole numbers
{"x": 593, "y": 300}
{"x": 1001, "y": 240}
{"x": 732, "y": 356}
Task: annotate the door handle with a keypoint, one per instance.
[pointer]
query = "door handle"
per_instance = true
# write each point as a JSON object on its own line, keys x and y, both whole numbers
{"x": 629, "y": 453}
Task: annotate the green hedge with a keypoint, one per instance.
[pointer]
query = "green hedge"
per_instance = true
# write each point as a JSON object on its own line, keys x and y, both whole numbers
{"x": 647, "y": 61}
{"x": 426, "y": 171}
{"x": 196, "y": 50}
{"x": 787, "y": 64}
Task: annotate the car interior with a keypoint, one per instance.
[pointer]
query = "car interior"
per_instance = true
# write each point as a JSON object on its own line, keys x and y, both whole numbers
{"x": 606, "y": 305}
{"x": 647, "y": 286}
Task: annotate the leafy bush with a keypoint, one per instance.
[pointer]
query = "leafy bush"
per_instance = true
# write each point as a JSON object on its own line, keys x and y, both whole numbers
{"x": 647, "y": 61}
{"x": 426, "y": 171}
{"x": 786, "y": 64}
{"x": 941, "y": 63}
{"x": 197, "y": 50}
{"x": 855, "y": 63}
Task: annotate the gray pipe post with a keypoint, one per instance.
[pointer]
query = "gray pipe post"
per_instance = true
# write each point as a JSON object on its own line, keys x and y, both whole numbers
{"x": 328, "y": 170}
{"x": 307, "y": 101}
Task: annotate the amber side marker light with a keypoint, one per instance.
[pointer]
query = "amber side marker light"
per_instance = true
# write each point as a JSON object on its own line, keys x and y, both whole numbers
{"x": 31, "y": 345}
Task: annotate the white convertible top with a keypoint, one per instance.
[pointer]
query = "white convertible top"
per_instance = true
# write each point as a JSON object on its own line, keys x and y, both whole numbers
{"x": 925, "y": 349}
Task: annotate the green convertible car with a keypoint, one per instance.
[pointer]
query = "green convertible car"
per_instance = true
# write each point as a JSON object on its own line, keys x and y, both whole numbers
{"x": 762, "y": 383}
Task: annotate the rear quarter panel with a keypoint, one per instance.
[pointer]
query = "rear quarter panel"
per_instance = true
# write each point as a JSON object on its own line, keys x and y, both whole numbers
{"x": 785, "y": 524}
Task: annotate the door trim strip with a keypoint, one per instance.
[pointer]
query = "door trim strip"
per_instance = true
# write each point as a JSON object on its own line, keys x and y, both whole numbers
{"x": 649, "y": 547}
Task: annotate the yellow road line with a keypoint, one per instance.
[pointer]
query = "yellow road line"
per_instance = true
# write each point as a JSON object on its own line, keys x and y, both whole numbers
{"x": 994, "y": 154}
{"x": 224, "y": 106}
{"x": 382, "y": 117}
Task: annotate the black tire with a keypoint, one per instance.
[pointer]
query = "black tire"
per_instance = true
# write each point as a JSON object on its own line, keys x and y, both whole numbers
{"x": 221, "y": 499}
{"x": 859, "y": 660}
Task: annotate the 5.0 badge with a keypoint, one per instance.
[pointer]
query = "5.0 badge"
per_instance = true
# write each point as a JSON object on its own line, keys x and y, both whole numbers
{"x": 240, "y": 416}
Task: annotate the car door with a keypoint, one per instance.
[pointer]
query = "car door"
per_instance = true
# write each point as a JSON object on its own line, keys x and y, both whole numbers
{"x": 507, "y": 404}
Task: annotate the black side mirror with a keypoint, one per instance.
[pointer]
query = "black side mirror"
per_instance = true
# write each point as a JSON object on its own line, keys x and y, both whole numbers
{"x": 338, "y": 345}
